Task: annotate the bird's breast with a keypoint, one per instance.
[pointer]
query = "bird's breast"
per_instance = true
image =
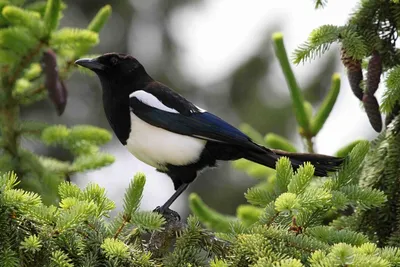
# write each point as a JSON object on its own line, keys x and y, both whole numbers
{"x": 158, "y": 147}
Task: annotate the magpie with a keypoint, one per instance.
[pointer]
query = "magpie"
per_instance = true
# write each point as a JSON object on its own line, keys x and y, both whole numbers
{"x": 166, "y": 131}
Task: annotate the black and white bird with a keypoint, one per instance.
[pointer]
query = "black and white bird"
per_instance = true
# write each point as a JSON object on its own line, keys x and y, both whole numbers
{"x": 163, "y": 129}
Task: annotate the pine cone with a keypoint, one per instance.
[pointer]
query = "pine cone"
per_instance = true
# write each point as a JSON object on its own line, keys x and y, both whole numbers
{"x": 55, "y": 86}
{"x": 372, "y": 109}
{"x": 374, "y": 73}
{"x": 350, "y": 63}
{"x": 354, "y": 74}
{"x": 355, "y": 78}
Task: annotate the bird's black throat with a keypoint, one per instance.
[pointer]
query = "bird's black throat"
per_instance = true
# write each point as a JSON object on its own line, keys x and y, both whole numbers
{"x": 116, "y": 102}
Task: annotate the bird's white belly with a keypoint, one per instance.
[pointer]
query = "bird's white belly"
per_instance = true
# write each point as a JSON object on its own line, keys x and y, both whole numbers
{"x": 158, "y": 147}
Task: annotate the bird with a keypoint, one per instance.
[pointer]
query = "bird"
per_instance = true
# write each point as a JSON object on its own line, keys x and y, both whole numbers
{"x": 168, "y": 132}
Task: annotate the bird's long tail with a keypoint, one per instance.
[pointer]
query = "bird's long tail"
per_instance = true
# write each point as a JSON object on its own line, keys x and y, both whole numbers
{"x": 322, "y": 163}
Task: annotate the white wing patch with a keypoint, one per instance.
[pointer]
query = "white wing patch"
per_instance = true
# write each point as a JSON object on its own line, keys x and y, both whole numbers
{"x": 151, "y": 100}
{"x": 201, "y": 110}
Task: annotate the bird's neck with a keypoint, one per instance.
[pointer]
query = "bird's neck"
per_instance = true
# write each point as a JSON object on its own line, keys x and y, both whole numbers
{"x": 116, "y": 109}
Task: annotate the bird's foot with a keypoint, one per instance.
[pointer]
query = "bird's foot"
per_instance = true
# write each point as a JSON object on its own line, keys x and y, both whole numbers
{"x": 168, "y": 214}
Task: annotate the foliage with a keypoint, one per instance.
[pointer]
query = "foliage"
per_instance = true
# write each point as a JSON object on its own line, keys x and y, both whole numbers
{"x": 76, "y": 232}
{"x": 291, "y": 214}
{"x": 368, "y": 37}
{"x": 309, "y": 125}
{"x": 36, "y": 58}
{"x": 381, "y": 172}
{"x": 282, "y": 226}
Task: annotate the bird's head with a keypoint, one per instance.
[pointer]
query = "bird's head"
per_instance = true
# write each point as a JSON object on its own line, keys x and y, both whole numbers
{"x": 115, "y": 67}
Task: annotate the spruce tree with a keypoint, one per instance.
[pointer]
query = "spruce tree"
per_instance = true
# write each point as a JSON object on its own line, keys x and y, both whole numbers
{"x": 36, "y": 57}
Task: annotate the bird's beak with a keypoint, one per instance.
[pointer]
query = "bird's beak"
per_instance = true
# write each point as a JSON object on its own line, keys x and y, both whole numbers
{"x": 90, "y": 63}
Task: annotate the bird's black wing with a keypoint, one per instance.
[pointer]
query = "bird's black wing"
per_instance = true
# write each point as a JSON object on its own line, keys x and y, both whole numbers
{"x": 202, "y": 125}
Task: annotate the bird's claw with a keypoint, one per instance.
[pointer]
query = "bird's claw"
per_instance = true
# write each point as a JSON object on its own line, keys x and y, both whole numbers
{"x": 167, "y": 213}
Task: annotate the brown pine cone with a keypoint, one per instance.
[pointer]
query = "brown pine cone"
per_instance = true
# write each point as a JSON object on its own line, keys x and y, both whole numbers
{"x": 374, "y": 73}
{"x": 372, "y": 109}
{"x": 350, "y": 63}
{"x": 354, "y": 74}
{"x": 355, "y": 78}
{"x": 55, "y": 86}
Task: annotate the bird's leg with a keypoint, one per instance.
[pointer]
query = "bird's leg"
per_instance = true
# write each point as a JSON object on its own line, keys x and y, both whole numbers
{"x": 164, "y": 209}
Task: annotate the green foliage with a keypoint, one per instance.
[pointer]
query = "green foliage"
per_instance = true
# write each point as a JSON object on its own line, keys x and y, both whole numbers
{"x": 380, "y": 172}
{"x": 75, "y": 232}
{"x": 326, "y": 106}
{"x": 301, "y": 179}
{"x": 114, "y": 248}
{"x": 295, "y": 219}
{"x": 31, "y": 244}
{"x": 351, "y": 167}
{"x": 320, "y": 3}
{"x": 99, "y": 20}
{"x": 318, "y": 43}
{"x": 279, "y": 142}
{"x": 190, "y": 243}
{"x": 131, "y": 217}
{"x": 59, "y": 259}
{"x": 344, "y": 151}
{"x": 27, "y": 32}
{"x": 297, "y": 97}
{"x": 392, "y": 95}
{"x": 286, "y": 228}
{"x": 133, "y": 194}
{"x": 52, "y": 14}
{"x": 211, "y": 218}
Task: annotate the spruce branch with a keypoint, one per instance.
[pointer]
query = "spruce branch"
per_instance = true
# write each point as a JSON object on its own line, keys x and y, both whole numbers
{"x": 248, "y": 214}
{"x": 392, "y": 94}
{"x": 278, "y": 142}
{"x": 100, "y": 19}
{"x": 132, "y": 199}
{"x": 26, "y": 60}
{"x": 351, "y": 166}
{"x": 52, "y": 15}
{"x": 297, "y": 97}
{"x": 21, "y": 17}
{"x": 327, "y": 105}
{"x": 211, "y": 218}
{"x": 344, "y": 151}
{"x": 319, "y": 41}
{"x": 320, "y": 3}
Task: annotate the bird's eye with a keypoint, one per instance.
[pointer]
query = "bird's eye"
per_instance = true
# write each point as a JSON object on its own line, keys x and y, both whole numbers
{"x": 114, "y": 60}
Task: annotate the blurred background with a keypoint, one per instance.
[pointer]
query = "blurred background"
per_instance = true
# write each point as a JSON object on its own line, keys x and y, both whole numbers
{"x": 218, "y": 54}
